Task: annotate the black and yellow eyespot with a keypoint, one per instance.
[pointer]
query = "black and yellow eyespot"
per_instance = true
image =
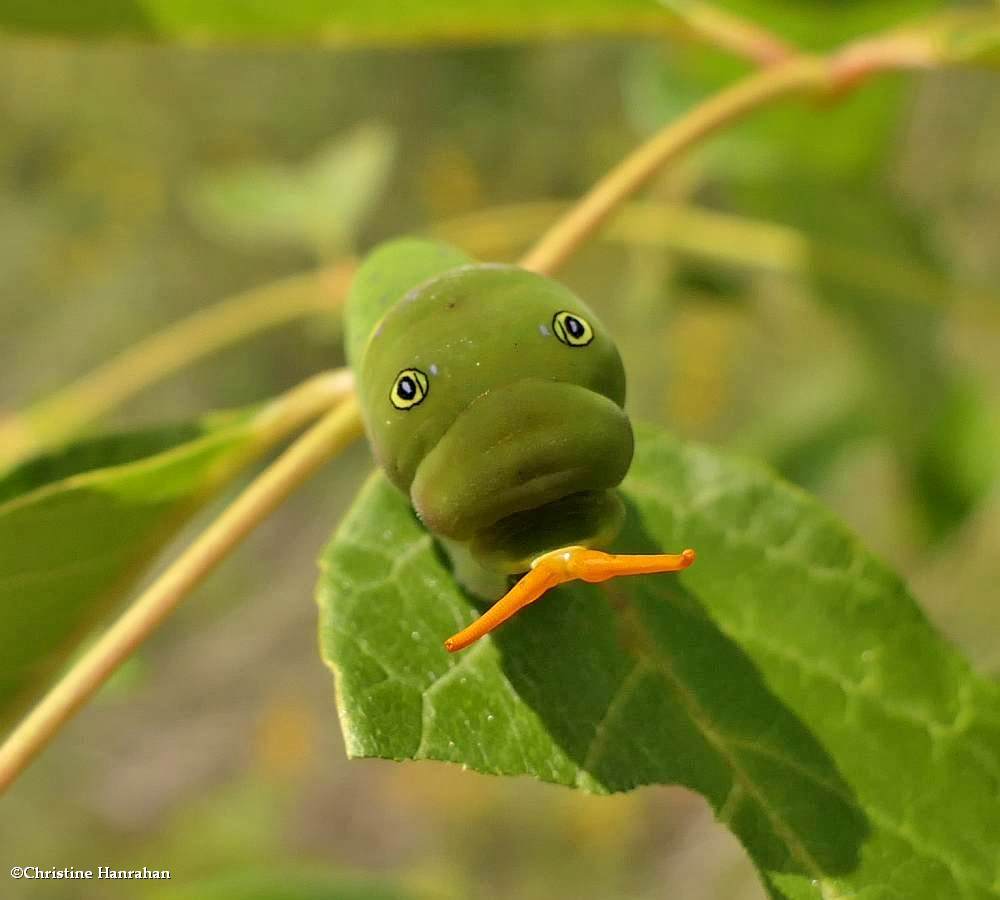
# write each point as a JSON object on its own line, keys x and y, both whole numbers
{"x": 572, "y": 329}
{"x": 409, "y": 389}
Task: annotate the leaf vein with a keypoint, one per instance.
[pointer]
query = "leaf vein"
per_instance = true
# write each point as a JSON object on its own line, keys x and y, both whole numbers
{"x": 598, "y": 743}
{"x": 718, "y": 741}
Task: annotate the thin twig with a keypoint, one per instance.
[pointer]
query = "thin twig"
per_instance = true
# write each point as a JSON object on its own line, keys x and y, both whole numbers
{"x": 831, "y": 76}
{"x": 334, "y": 431}
{"x": 730, "y": 32}
{"x": 148, "y": 361}
{"x": 569, "y": 233}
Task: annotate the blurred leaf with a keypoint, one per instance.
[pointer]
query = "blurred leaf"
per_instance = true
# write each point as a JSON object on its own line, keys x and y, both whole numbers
{"x": 959, "y": 462}
{"x": 348, "y": 21}
{"x": 817, "y": 23}
{"x": 290, "y": 882}
{"x": 318, "y": 205}
{"x": 847, "y": 745}
{"x": 865, "y": 255}
{"x": 78, "y": 525}
{"x": 98, "y": 452}
{"x": 915, "y": 393}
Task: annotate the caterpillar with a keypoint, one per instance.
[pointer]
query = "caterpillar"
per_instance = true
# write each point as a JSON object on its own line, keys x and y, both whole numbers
{"x": 493, "y": 398}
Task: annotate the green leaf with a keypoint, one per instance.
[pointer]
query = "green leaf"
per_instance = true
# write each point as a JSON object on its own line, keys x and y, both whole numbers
{"x": 319, "y": 204}
{"x": 914, "y": 395}
{"x": 819, "y": 23}
{"x": 961, "y": 38}
{"x": 347, "y": 21}
{"x": 788, "y": 676}
{"x": 77, "y": 526}
{"x": 96, "y": 452}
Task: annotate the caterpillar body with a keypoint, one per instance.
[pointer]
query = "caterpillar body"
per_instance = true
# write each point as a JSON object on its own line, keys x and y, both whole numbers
{"x": 493, "y": 397}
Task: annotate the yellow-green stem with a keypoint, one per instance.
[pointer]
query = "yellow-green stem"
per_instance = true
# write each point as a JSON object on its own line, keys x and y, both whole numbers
{"x": 728, "y": 31}
{"x": 557, "y": 245}
{"x": 149, "y": 361}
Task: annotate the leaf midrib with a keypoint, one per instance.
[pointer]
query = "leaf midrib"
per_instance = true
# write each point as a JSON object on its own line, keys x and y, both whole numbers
{"x": 650, "y": 655}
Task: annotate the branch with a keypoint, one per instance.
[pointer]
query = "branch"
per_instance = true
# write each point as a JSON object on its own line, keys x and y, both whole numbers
{"x": 728, "y": 31}
{"x": 334, "y": 431}
{"x": 931, "y": 44}
{"x": 557, "y": 245}
{"x": 68, "y": 410}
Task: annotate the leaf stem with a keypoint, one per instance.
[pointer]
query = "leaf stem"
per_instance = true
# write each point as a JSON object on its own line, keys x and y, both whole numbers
{"x": 728, "y": 31}
{"x": 833, "y": 76}
{"x": 561, "y": 241}
{"x": 148, "y": 361}
{"x": 340, "y": 426}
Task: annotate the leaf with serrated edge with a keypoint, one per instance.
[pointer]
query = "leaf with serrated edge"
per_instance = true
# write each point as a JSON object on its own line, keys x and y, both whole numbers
{"x": 787, "y": 676}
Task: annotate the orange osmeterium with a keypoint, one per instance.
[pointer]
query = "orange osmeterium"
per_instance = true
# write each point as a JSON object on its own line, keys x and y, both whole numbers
{"x": 558, "y": 567}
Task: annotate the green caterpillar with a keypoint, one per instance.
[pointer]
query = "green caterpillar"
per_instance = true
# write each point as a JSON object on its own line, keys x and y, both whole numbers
{"x": 493, "y": 398}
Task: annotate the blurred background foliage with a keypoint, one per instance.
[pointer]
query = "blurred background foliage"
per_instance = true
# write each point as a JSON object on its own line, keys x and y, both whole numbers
{"x": 139, "y": 183}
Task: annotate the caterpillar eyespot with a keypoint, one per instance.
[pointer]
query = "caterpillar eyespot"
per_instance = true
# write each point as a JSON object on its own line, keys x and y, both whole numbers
{"x": 409, "y": 389}
{"x": 572, "y": 329}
